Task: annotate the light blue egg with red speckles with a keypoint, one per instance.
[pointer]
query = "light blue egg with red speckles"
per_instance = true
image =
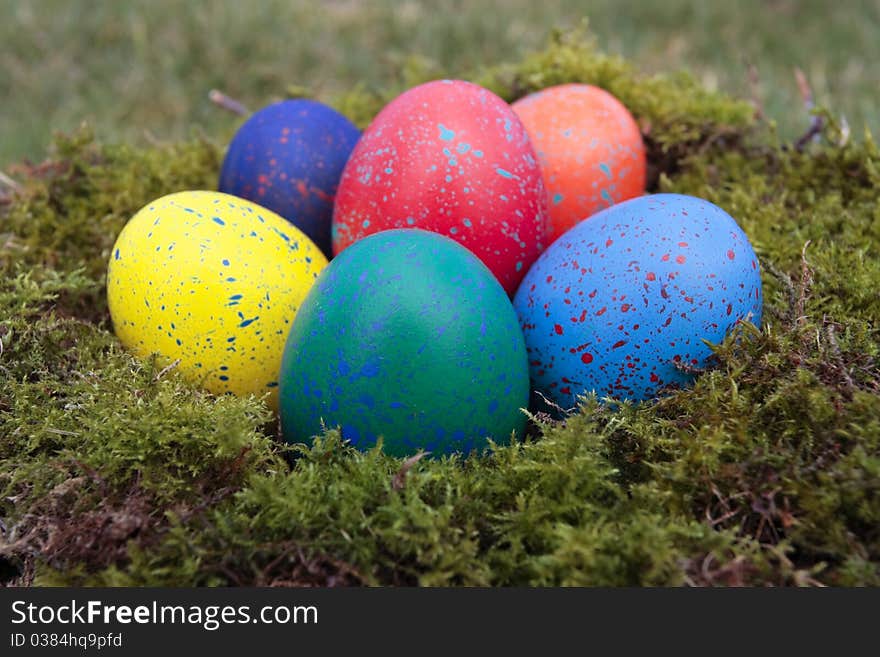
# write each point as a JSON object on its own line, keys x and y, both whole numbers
{"x": 621, "y": 304}
{"x": 288, "y": 157}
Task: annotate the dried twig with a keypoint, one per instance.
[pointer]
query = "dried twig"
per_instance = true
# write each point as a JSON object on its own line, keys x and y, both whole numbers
{"x": 806, "y": 282}
{"x": 817, "y": 122}
{"x": 151, "y": 139}
{"x": 715, "y": 137}
{"x": 708, "y": 571}
{"x": 755, "y": 91}
{"x": 399, "y": 481}
{"x": 9, "y": 184}
{"x": 844, "y": 132}
{"x": 724, "y": 503}
{"x": 230, "y": 104}
{"x": 62, "y": 432}
{"x": 552, "y": 404}
{"x": 688, "y": 368}
{"x": 6, "y": 181}
{"x": 765, "y": 507}
{"x": 165, "y": 371}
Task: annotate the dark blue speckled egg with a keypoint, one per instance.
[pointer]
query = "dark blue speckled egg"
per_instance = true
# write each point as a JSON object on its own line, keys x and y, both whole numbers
{"x": 621, "y": 303}
{"x": 406, "y": 336}
{"x": 289, "y": 157}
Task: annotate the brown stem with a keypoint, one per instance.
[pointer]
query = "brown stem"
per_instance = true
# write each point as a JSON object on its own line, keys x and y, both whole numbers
{"x": 755, "y": 90}
{"x": 229, "y": 104}
{"x": 817, "y": 122}
{"x": 9, "y": 182}
{"x": 804, "y": 288}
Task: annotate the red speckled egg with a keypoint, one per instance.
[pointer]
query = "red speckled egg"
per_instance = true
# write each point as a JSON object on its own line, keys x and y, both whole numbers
{"x": 590, "y": 149}
{"x": 450, "y": 157}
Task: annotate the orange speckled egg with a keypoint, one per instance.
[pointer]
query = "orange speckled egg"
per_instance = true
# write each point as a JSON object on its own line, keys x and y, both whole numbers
{"x": 589, "y": 147}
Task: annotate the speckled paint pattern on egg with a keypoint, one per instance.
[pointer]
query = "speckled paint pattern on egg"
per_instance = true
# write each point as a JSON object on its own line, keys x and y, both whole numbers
{"x": 589, "y": 147}
{"x": 213, "y": 281}
{"x": 620, "y": 304}
{"x": 288, "y": 157}
{"x": 408, "y": 336}
{"x": 451, "y": 157}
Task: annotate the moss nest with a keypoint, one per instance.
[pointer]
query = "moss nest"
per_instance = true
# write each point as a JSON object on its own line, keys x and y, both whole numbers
{"x": 765, "y": 472}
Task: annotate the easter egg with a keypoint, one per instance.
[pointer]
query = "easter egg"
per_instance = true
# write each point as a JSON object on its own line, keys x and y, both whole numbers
{"x": 288, "y": 157}
{"x": 214, "y": 282}
{"x": 620, "y": 305}
{"x": 450, "y": 157}
{"x": 590, "y": 149}
{"x": 407, "y": 336}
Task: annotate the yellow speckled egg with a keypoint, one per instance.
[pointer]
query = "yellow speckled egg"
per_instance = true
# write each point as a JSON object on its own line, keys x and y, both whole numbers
{"x": 213, "y": 281}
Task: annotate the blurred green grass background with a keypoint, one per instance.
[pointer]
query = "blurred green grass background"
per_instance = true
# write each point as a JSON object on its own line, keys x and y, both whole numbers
{"x": 141, "y": 70}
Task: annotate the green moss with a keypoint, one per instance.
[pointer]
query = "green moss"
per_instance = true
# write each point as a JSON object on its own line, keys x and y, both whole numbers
{"x": 766, "y": 471}
{"x": 74, "y": 204}
{"x": 674, "y": 111}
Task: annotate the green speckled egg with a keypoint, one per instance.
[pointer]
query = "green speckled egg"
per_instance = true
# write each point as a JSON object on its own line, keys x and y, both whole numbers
{"x": 407, "y": 336}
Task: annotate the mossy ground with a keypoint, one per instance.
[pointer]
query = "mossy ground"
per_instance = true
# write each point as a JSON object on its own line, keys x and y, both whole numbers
{"x": 766, "y": 471}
